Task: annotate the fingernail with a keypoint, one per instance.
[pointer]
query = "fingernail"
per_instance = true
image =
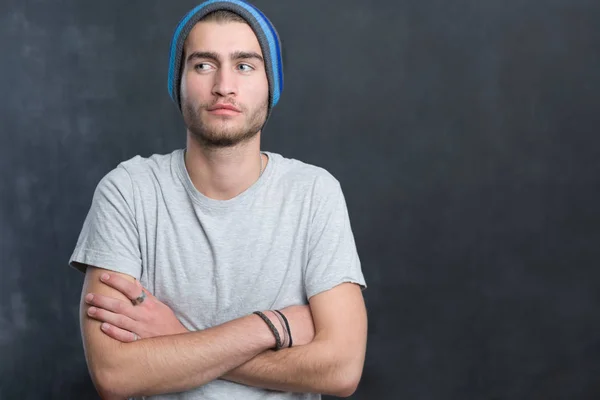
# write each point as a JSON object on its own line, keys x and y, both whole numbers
{"x": 105, "y": 326}
{"x": 104, "y": 277}
{"x": 138, "y": 283}
{"x": 89, "y": 297}
{"x": 92, "y": 310}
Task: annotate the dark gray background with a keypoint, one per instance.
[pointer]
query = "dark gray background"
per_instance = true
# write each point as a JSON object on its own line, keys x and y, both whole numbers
{"x": 465, "y": 136}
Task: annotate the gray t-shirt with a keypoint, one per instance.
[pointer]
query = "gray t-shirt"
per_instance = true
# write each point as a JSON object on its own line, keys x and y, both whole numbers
{"x": 283, "y": 240}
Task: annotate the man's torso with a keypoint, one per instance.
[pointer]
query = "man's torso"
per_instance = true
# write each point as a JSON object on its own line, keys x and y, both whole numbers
{"x": 212, "y": 263}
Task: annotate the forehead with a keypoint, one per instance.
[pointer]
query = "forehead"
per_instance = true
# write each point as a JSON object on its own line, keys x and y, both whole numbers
{"x": 222, "y": 37}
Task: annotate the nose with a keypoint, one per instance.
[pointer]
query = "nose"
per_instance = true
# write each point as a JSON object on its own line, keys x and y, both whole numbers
{"x": 225, "y": 83}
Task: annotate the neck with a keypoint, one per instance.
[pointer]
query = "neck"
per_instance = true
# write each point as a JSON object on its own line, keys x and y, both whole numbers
{"x": 223, "y": 173}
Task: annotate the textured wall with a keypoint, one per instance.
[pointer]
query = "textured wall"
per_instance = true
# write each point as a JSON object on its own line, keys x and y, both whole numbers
{"x": 464, "y": 134}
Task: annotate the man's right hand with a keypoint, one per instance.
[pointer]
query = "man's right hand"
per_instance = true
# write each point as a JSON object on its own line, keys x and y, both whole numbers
{"x": 126, "y": 322}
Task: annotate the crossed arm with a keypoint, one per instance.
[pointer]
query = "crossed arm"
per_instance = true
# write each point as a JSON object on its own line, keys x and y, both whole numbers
{"x": 237, "y": 351}
{"x": 332, "y": 363}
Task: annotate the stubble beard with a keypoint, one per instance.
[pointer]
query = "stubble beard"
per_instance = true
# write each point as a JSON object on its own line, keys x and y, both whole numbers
{"x": 221, "y": 132}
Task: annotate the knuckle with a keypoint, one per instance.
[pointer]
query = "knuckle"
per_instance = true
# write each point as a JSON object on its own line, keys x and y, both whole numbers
{"x": 122, "y": 336}
{"x": 133, "y": 289}
{"x": 146, "y": 317}
{"x": 119, "y": 307}
{"x": 119, "y": 335}
{"x": 120, "y": 321}
{"x": 96, "y": 300}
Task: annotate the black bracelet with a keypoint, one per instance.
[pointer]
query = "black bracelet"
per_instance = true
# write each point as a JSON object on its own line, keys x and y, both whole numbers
{"x": 278, "y": 344}
{"x": 287, "y": 326}
{"x": 285, "y": 337}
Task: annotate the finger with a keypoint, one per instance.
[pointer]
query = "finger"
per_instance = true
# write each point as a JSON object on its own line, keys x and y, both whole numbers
{"x": 110, "y": 304}
{"x": 128, "y": 288}
{"x": 118, "y": 320}
{"x": 117, "y": 333}
{"x": 139, "y": 285}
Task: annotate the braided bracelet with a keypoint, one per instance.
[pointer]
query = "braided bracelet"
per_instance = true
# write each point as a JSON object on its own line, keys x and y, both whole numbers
{"x": 286, "y": 341}
{"x": 287, "y": 326}
{"x": 278, "y": 344}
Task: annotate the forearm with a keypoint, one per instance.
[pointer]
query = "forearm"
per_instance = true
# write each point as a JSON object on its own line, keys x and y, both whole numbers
{"x": 313, "y": 368}
{"x": 180, "y": 362}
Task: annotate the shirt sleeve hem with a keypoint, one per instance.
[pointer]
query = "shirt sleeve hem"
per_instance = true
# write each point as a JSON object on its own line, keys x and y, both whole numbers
{"x": 83, "y": 257}
{"x": 327, "y": 285}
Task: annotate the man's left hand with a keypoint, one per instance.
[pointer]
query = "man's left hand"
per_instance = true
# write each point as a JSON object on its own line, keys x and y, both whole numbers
{"x": 126, "y": 322}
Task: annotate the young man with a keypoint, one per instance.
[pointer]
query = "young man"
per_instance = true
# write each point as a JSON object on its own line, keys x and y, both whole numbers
{"x": 219, "y": 271}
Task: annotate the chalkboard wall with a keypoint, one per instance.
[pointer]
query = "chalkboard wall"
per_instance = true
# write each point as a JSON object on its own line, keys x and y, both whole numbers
{"x": 465, "y": 135}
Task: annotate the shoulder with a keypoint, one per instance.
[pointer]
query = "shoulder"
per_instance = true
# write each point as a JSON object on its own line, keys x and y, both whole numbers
{"x": 139, "y": 166}
{"x": 137, "y": 170}
{"x": 300, "y": 175}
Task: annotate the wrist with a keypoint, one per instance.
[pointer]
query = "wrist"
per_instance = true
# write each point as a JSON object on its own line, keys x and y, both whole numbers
{"x": 271, "y": 327}
{"x": 278, "y": 323}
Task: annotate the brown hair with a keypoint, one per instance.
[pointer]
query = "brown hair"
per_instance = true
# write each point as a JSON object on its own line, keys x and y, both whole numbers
{"x": 221, "y": 16}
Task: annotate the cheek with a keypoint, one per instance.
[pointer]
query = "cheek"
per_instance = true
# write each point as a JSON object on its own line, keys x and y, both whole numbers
{"x": 192, "y": 87}
{"x": 260, "y": 91}
{"x": 184, "y": 88}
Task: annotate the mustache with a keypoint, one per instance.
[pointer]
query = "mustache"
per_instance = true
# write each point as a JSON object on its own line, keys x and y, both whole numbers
{"x": 229, "y": 102}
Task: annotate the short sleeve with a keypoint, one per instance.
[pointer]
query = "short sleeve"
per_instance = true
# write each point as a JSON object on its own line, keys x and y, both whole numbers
{"x": 109, "y": 237}
{"x": 332, "y": 255}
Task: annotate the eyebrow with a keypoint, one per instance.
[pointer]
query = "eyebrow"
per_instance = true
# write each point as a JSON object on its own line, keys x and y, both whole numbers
{"x": 236, "y": 55}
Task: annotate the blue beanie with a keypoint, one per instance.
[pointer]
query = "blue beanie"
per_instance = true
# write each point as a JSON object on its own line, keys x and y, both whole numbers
{"x": 262, "y": 27}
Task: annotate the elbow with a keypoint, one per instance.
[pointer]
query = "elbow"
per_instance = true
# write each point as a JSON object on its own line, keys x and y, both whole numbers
{"x": 113, "y": 382}
{"x": 346, "y": 387}
{"x": 347, "y": 381}
{"x": 108, "y": 385}
{"x": 107, "y": 369}
{"x": 343, "y": 371}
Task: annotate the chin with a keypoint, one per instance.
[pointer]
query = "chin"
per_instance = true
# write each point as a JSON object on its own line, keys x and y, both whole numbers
{"x": 221, "y": 131}
{"x": 222, "y": 138}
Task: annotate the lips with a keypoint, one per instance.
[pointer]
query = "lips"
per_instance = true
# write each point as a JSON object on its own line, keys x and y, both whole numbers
{"x": 218, "y": 107}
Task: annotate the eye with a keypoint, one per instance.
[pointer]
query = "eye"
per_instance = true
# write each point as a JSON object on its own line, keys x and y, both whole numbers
{"x": 245, "y": 67}
{"x": 202, "y": 67}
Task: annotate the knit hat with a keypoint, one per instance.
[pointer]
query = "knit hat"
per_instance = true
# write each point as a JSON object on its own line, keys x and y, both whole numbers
{"x": 262, "y": 27}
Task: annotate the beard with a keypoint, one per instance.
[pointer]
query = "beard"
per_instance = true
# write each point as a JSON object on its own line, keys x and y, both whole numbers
{"x": 223, "y": 131}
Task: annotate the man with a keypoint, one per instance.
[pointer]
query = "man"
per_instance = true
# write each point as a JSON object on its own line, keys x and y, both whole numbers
{"x": 221, "y": 271}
